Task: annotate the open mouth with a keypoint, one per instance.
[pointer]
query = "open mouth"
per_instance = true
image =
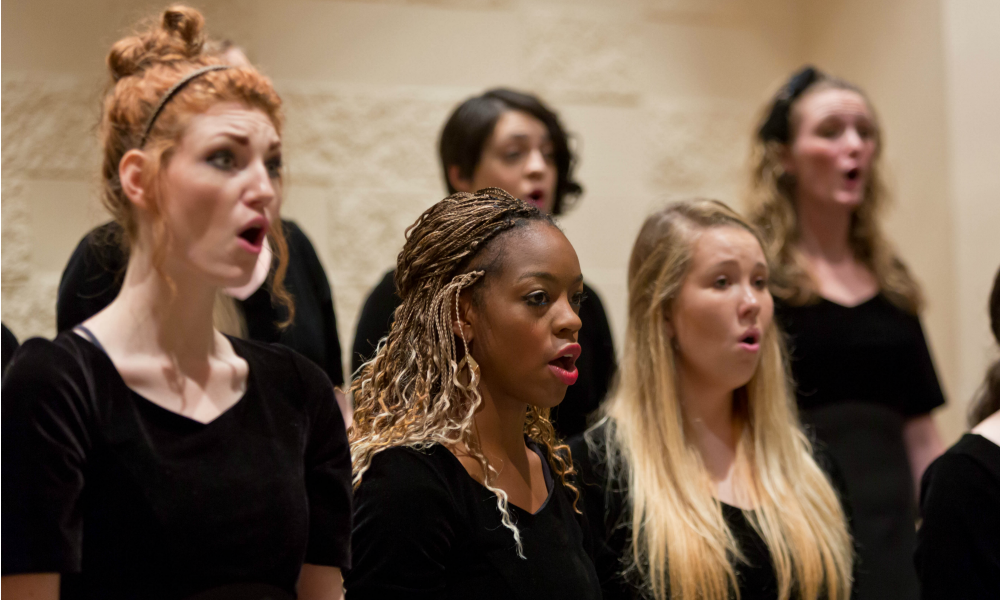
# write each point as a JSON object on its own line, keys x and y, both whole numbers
{"x": 751, "y": 338}
{"x": 564, "y": 365}
{"x": 566, "y": 362}
{"x": 853, "y": 175}
{"x": 254, "y": 236}
{"x": 536, "y": 197}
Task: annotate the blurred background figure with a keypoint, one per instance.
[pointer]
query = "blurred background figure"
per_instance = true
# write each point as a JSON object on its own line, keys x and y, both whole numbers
{"x": 958, "y": 544}
{"x": 512, "y": 141}
{"x": 864, "y": 376}
{"x": 9, "y": 347}
{"x": 93, "y": 277}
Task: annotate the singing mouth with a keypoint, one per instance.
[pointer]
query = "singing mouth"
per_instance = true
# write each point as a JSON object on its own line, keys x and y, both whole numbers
{"x": 254, "y": 235}
{"x": 853, "y": 174}
{"x": 751, "y": 338}
{"x": 536, "y": 197}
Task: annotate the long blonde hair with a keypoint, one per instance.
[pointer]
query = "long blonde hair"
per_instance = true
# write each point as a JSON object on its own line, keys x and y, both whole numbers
{"x": 680, "y": 545}
{"x": 771, "y": 205}
{"x": 416, "y": 393}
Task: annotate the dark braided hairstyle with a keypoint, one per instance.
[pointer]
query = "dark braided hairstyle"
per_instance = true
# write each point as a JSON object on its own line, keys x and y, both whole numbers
{"x": 417, "y": 391}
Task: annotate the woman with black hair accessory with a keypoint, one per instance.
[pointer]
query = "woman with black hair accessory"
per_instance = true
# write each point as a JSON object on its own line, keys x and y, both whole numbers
{"x": 865, "y": 378}
{"x": 146, "y": 454}
{"x": 958, "y": 543}
{"x": 512, "y": 141}
{"x": 93, "y": 277}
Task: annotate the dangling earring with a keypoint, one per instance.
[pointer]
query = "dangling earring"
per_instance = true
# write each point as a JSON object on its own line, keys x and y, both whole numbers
{"x": 468, "y": 361}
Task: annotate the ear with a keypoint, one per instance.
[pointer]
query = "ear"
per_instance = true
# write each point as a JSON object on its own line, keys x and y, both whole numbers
{"x": 130, "y": 170}
{"x": 463, "y": 325}
{"x": 457, "y": 181}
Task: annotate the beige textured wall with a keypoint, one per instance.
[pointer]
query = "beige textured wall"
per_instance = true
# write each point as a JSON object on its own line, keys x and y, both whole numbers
{"x": 660, "y": 95}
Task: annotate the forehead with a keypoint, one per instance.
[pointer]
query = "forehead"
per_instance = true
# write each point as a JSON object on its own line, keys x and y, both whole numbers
{"x": 724, "y": 243}
{"x": 517, "y": 123}
{"x": 537, "y": 247}
{"x": 232, "y": 118}
{"x": 832, "y": 101}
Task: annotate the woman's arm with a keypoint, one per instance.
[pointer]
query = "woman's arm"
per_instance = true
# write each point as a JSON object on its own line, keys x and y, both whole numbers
{"x": 31, "y": 586}
{"x": 923, "y": 445}
{"x": 320, "y": 583}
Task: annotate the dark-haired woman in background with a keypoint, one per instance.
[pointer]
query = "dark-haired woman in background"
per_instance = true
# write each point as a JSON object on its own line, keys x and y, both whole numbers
{"x": 146, "y": 454}
{"x": 93, "y": 277}
{"x": 512, "y": 141}
{"x": 958, "y": 544}
{"x": 865, "y": 379}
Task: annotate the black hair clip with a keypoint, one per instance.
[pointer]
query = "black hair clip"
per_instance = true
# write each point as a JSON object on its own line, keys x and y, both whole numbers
{"x": 775, "y": 127}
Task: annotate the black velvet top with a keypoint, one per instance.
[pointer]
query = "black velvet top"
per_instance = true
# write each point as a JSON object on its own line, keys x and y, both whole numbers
{"x": 958, "y": 544}
{"x": 596, "y": 364}
{"x": 93, "y": 277}
{"x": 9, "y": 346}
{"x": 605, "y": 503}
{"x": 127, "y": 499}
{"x": 423, "y": 529}
{"x": 861, "y": 372}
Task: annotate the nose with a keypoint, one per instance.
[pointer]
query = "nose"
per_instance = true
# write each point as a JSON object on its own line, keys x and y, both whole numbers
{"x": 853, "y": 141}
{"x": 259, "y": 191}
{"x": 536, "y": 165}
{"x": 566, "y": 323}
{"x": 749, "y": 305}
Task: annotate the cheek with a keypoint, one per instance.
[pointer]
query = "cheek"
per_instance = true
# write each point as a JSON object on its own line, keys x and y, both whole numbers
{"x": 699, "y": 324}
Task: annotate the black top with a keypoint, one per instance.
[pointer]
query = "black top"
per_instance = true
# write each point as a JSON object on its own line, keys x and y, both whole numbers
{"x": 9, "y": 347}
{"x": 93, "y": 277}
{"x": 958, "y": 545}
{"x": 127, "y": 499}
{"x": 861, "y": 372}
{"x": 596, "y": 365}
{"x": 605, "y": 504}
{"x": 423, "y": 528}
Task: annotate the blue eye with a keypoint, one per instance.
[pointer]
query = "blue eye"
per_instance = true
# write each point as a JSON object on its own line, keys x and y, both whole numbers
{"x": 222, "y": 159}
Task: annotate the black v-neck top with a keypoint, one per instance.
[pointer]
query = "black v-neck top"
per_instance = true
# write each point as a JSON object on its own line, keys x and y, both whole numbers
{"x": 606, "y": 505}
{"x": 423, "y": 528}
{"x": 127, "y": 499}
{"x": 958, "y": 544}
{"x": 860, "y": 372}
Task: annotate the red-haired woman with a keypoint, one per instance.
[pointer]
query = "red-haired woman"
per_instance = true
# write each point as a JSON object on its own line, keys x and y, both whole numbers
{"x": 145, "y": 454}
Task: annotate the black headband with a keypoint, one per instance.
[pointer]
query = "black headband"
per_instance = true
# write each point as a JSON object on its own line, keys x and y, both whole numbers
{"x": 173, "y": 92}
{"x": 776, "y": 127}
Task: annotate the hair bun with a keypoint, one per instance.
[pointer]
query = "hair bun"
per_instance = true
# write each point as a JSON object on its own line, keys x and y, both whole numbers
{"x": 178, "y": 36}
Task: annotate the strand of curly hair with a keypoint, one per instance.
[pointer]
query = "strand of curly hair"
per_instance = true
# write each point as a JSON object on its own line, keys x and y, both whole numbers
{"x": 412, "y": 393}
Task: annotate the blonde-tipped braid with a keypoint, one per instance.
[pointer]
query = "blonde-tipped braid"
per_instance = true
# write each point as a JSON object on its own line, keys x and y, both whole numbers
{"x": 412, "y": 393}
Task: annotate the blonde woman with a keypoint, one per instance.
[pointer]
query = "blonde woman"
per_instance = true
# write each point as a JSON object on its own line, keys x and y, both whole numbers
{"x": 865, "y": 379}
{"x": 699, "y": 482}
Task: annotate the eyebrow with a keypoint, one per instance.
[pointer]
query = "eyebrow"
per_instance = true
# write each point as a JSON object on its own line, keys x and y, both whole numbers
{"x": 245, "y": 140}
{"x": 733, "y": 261}
{"x": 547, "y": 276}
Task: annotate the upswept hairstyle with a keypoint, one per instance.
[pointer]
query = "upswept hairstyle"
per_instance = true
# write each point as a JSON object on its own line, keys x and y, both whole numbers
{"x": 471, "y": 124}
{"x": 415, "y": 393}
{"x": 988, "y": 400}
{"x": 680, "y": 544}
{"x": 772, "y": 205}
{"x": 143, "y": 68}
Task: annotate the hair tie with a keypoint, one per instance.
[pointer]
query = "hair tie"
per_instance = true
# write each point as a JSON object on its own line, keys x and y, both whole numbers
{"x": 177, "y": 87}
{"x": 775, "y": 127}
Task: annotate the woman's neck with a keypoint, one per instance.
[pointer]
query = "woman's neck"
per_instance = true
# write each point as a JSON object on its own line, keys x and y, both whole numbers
{"x": 150, "y": 317}
{"x": 499, "y": 426}
{"x": 824, "y": 231}
{"x": 710, "y": 421}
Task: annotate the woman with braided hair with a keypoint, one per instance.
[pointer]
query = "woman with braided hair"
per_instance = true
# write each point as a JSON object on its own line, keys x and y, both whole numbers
{"x": 145, "y": 454}
{"x": 462, "y": 490}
